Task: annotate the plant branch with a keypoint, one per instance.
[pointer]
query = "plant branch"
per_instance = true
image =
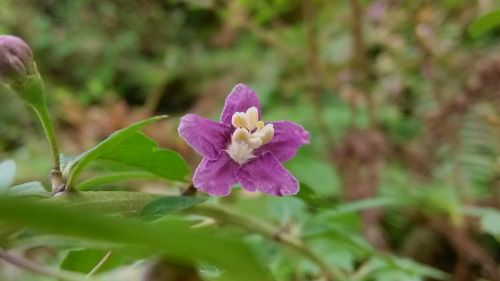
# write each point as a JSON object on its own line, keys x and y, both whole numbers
{"x": 359, "y": 60}
{"x": 315, "y": 69}
{"x": 251, "y": 224}
{"x": 468, "y": 251}
{"x": 36, "y": 268}
{"x": 154, "y": 97}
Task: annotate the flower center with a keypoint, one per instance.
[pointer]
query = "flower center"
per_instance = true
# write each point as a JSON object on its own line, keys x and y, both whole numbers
{"x": 250, "y": 134}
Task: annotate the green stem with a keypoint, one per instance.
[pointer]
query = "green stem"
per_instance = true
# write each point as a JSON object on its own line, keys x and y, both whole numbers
{"x": 43, "y": 114}
{"x": 55, "y": 175}
{"x": 30, "y": 88}
{"x": 330, "y": 273}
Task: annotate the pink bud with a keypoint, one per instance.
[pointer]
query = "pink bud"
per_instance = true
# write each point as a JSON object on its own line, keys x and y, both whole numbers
{"x": 16, "y": 58}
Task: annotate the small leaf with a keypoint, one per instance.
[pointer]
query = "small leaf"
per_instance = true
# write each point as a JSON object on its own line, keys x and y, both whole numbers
{"x": 107, "y": 202}
{"x": 137, "y": 157}
{"x": 485, "y": 23}
{"x": 7, "y": 230}
{"x": 29, "y": 189}
{"x": 114, "y": 177}
{"x": 369, "y": 203}
{"x": 149, "y": 206}
{"x": 490, "y": 223}
{"x": 67, "y": 161}
{"x": 167, "y": 205}
{"x": 85, "y": 260}
{"x": 308, "y": 195}
{"x": 407, "y": 269}
{"x": 77, "y": 166}
{"x": 141, "y": 153}
{"x": 7, "y": 174}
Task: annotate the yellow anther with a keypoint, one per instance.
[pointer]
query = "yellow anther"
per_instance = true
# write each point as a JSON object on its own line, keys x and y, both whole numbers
{"x": 267, "y": 133}
{"x": 259, "y": 125}
{"x": 240, "y": 135}
{"x": 239, "y": 120}
{"x": 252, "y": 116}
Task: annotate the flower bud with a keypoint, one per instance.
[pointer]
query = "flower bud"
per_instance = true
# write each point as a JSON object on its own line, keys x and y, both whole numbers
{"x": 18, "y": 70}
{"x": 16, "y": 59}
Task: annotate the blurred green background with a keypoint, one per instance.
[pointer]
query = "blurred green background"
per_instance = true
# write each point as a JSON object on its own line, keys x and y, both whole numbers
{"x": 401, "y": 99}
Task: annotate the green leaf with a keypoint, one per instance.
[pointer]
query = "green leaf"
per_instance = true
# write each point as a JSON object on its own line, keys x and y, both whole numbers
{"x": 85, "y": 260}
{"x": 140, "y": 152}
{"x": 108, "y": 202}
{"x": 172, "y": 237}
{"x": 368, "y": 203}
{"x": 356, "y": 206}
{"x": 315, "y": 172}
{"x": 7, "y": 231}
{"x": 485, "y": 23}
{"x": 127, "y": 203}
{"x": 7, "y": 174}
{"x": 308, "y": 195}
{"x": 114, "y": 177}
{"x": 67, "y": 161}
{"x": 490, "y": 223}
{"x": 167, "y": 205}
{"x": 76, "y": 167}
{"x": 398, "y": 268}
{"x": 134, "y": 149}
{"x": 82, "y": 260}
{"x": 29, "y": 189}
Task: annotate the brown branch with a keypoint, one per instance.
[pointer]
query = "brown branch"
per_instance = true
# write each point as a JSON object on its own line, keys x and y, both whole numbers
{"x": 36, "y": 268}
{"x": 189, "y": 191}
{"x": 359, "y": 60}
{"x": 469, "y": 253}
{"x": 314, "y": 69}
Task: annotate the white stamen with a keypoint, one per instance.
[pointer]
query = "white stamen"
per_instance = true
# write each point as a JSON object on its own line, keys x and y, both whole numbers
{"x": 254, "y": 142}
{"x": 252, "y": 116}
{"x": 240, "y": 135}
{"x": 243, "y": 141}
{"x": 267, "y": 133}
{"x": 239, "y": 120}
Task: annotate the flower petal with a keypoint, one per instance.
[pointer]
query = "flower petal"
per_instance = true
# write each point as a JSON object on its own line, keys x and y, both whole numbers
{"x": 216, "y": 177}
{"x": 267, "y": 174}
{"x": 288, "y": 137}
{"x": 240, "y": 99}
{"x": 207, "y": 137}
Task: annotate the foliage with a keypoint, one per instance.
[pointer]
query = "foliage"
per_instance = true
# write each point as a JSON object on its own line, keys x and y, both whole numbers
{"x": 400, "y": 180}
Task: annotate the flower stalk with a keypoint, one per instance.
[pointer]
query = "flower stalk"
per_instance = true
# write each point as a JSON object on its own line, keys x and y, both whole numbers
{"x": 43, "y": 116}
{"x": 19, "y": 72}
{"x": 32, "y": 91}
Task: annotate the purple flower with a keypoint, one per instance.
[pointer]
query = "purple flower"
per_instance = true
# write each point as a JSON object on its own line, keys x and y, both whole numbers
{"x": 243, "y": 149}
